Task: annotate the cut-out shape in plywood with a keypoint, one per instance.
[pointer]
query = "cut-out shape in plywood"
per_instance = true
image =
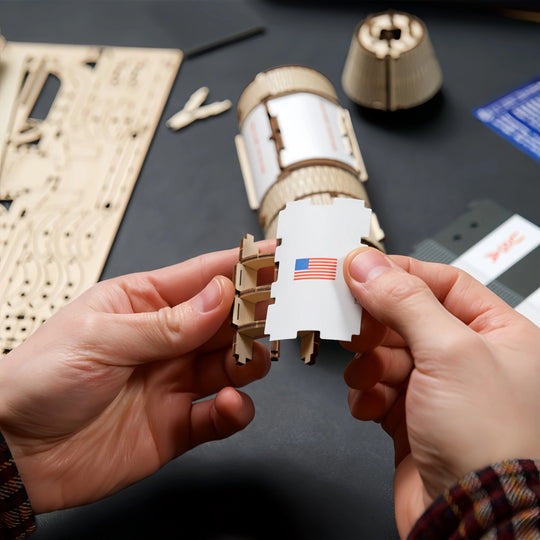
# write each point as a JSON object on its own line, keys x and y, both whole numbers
{"x": 65, "y": 180}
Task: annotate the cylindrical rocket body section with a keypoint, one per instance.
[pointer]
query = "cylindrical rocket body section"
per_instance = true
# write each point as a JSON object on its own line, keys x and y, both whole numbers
{"x": 297, "y": 142}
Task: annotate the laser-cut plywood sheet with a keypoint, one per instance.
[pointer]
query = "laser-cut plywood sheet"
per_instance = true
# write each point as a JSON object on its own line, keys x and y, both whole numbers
{"x": 65, "y": 181}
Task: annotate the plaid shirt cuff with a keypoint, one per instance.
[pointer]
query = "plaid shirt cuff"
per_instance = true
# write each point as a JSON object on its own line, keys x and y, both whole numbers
{"x": 501, "y": 501}
{"x": 16, "y": 515}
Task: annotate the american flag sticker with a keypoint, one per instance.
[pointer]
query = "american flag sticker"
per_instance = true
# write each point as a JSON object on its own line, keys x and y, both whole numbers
{"x": 315, "y": 268}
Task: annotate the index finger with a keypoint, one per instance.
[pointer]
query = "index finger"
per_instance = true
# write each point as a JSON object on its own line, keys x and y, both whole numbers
{"x": 179, "y": 282}
{"x": 461, "y": 294}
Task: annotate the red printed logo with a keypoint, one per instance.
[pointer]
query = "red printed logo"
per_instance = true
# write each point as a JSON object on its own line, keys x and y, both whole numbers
{"x": 258, "y": 150}
{"x": 515, "y": 238}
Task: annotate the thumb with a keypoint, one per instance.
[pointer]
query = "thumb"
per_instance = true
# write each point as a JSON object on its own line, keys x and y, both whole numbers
{"x": 171, "y": 331}
{"x": 399, "y": 300}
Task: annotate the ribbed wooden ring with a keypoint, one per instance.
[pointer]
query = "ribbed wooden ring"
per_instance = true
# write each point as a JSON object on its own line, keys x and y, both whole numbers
{"x": 308, "y": 181}
{"x": 280, "y": 81}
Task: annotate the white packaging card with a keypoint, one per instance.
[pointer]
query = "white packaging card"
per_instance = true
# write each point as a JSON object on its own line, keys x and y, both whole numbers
{"x": 500, "y": 249}
{"x": 530, "y": 307}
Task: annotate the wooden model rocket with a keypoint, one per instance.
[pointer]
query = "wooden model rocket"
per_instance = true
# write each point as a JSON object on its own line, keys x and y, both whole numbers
{"x": 299, "y": 158}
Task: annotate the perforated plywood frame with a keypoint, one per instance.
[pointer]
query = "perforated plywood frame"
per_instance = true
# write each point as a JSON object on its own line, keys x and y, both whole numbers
{"x": 65, "y": 181}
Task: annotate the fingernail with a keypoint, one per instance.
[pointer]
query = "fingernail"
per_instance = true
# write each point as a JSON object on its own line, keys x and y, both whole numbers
{"x": 367, "y": 265}
{"x": 209, "y": 298}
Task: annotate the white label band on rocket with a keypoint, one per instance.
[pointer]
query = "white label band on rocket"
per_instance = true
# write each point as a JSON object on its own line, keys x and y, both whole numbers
{"x": 309, "y": 128}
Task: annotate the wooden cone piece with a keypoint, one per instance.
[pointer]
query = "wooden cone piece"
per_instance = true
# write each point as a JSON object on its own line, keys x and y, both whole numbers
{"x": 391, "y": 63}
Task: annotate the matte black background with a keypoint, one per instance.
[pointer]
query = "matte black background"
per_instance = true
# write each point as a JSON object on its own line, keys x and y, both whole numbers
{"x": 304, "y": 469}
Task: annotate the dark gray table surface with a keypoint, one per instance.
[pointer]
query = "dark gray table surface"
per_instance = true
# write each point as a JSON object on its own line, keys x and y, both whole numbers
{"x": 304, "y": 468}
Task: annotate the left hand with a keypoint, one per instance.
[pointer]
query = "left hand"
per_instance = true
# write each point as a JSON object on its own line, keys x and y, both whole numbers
{"x": 108, "y": 390}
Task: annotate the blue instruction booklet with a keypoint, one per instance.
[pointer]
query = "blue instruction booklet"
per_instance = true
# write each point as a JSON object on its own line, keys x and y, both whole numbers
{"x": 516, "y": 116}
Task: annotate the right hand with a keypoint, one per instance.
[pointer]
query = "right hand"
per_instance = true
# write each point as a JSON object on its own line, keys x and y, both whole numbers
{"x": 450, "y": 371}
